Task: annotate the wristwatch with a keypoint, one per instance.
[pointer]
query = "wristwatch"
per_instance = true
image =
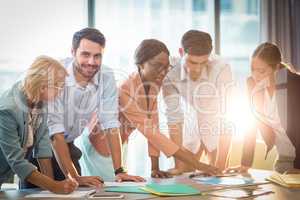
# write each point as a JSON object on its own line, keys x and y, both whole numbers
{"x": 120, "y": 170}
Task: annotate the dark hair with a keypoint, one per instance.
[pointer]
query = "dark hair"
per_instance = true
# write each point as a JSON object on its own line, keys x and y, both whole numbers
{"x": 148, "y": 49}
{"x": 196, "y": 42}
{"x": 91, "y": 34}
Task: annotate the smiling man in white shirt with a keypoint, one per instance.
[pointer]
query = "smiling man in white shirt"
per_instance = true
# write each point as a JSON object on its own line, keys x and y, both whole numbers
{"x": 90, "y": 89}
{"x": 200, "y": 82}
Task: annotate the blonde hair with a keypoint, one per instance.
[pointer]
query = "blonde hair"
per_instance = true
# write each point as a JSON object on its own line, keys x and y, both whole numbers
{"x": 271, "y": 54}
{"x": 44, "y": 71}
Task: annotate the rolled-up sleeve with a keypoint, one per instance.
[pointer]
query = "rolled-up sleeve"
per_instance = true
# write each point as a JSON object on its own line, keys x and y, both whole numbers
{"x": 109, "y": 102}
{"x": 11, "y": 147}
{"x": 56, "y": 116}
{"x": 172, "y": 100}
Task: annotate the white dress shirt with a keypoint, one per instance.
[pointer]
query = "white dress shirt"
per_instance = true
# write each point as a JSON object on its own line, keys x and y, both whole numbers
{"x": 200, "y": 104}
{"x": 271, "y": 117}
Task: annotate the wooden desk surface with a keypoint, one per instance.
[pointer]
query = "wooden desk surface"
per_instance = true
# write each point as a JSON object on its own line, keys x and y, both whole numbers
{"x": 281, "y": 193}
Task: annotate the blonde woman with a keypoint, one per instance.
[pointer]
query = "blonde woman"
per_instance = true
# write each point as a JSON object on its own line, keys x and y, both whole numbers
{"x": 23, "y": 129}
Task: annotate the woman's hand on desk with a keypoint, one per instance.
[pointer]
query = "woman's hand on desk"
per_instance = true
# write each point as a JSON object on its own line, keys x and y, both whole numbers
{"x": 61, "y": 187}
{"x": 65, "y": 187}
{"x": 160, "y": 174}
{"x": 237, "y": 169}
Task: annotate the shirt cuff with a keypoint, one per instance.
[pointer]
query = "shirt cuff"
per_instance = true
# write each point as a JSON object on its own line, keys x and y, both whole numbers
{"x": 25, "y": 171}
{"x": 43, "y": 154}
{"x": 173, "y": 118}
{"x": 111, "y": 124}
{"x": 175, "y": 121}
{"x": 57, "y": 128}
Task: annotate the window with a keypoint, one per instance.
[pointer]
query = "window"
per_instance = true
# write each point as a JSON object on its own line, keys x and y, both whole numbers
{"x": 239, "y": 36}
{"x": 199, "y": 5}
{"x": 126, "y": 23}
{"x": 226, "y": 5}
{"x": 30, "y": 28}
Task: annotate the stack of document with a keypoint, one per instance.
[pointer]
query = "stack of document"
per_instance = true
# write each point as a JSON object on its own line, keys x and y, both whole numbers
{"x": 157, "y": 189}
{"x": 286, "y": 180}
{"x": 125, "y": 187}
{"x": 171, "y": 190}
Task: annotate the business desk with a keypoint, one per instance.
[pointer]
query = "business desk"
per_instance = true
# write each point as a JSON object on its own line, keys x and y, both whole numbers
{"x": 280, "y": 192}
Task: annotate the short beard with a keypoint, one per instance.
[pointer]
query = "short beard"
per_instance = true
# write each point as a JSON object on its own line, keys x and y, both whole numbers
{"x": 78, "y": 69}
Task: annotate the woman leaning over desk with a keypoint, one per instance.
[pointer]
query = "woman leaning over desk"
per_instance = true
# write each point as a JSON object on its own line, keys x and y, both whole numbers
{"x": 138, "y": 107}
{"x": 23, "y": 128}
{"x": 266, "y": 61}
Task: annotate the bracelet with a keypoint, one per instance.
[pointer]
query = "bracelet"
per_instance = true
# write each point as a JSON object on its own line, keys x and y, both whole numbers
{"x": 120, "y": 170}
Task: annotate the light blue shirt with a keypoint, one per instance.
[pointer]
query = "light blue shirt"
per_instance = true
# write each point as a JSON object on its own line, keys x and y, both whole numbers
{"x": 72, "y": 110}
{"x": 91, "y": 162}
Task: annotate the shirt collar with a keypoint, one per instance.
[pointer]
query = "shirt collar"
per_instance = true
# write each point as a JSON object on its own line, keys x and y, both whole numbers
{"x": 71, "y": 80}
{"x": 183, "y": 74}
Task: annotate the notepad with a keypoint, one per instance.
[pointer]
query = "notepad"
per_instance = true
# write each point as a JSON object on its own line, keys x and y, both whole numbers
{"x": 171, "y": 190}
{"x": 286, "y": 180}
{"x": 48, "y": 194}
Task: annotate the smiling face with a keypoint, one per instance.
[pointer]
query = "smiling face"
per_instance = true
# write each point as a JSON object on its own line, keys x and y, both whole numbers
{"x": 194, "y": 64}
{"x": 155, "y": 69}
{"x": 88, "y": 58}
{"x": 260, "y": 69}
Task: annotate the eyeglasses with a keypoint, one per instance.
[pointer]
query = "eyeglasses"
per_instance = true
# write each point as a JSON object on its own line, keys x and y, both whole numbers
{"x": 158, "y": 67}
{"x": 57, "y": 87}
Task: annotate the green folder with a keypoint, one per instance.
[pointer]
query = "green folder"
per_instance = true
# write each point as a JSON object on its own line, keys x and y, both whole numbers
{"x": 171, "y": 190}
{"x": 126, "y": 189}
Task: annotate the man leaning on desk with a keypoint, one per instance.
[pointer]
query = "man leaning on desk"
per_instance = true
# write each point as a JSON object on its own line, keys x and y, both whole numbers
{"x": 90, "y": 89}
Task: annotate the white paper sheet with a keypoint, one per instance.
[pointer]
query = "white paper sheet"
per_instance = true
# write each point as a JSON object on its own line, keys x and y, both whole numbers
{"x": 119, "y": 184}
{"x": 48, "y": 194}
